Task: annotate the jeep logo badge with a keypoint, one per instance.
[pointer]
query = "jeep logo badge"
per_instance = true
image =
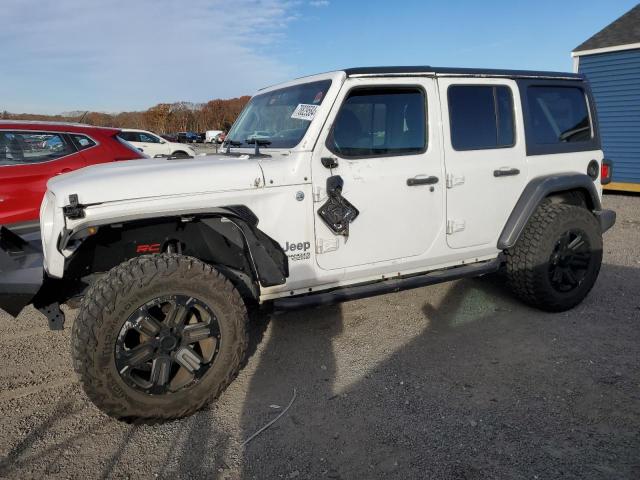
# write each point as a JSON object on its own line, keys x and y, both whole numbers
{"x": 297, "y": 247}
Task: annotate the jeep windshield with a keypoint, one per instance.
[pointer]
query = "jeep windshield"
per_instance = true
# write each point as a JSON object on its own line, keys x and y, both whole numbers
{"x": 280, "y": 118}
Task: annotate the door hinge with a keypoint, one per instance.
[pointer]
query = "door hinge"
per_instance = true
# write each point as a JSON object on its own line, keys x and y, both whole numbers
{"x": 454, "y": 226}
{"x": 324, "y": 245}
{"x": 453, "y": 180}
{"x": 318, "y": 194}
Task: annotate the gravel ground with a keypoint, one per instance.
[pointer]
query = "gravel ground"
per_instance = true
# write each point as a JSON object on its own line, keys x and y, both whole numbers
{"x": 457, "y": 380}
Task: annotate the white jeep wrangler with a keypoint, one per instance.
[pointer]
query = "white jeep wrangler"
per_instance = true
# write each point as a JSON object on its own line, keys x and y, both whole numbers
{"x": 328, "y": 188}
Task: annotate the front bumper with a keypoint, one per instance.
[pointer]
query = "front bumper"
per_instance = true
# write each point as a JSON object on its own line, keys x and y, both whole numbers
{"x": 21, "y": 269}
{"x": 607, "y": 219}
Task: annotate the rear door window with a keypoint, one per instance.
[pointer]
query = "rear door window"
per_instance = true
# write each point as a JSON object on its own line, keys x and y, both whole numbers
{"x": 129, "y": 136}
{"x": 24, "y": 148}
{"x": 558, "y": 115}
{"x": 148, "y": 138}
{"x": 481, "y": 117}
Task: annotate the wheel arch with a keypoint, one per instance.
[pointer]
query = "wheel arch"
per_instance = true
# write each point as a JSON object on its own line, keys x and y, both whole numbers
{"x": 573, "y": 188}
{"x": 179, "y": 151}
{"x": 227, "y": 238}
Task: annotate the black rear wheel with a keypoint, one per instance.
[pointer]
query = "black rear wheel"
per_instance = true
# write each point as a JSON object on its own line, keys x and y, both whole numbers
{"x": 556, "y": 260}
{"x": 158, "y": 336}
{"x": 570, "y": 260}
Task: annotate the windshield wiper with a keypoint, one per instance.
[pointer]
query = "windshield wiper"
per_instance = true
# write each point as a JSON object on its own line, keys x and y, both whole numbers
{"x": 258, "y": 142}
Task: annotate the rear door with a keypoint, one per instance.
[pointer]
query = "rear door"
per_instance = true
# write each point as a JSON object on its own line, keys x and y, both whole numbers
{"x": 134, "y": 139}
{"x": 485, "y": 157}
{"x": 27, "y": 160}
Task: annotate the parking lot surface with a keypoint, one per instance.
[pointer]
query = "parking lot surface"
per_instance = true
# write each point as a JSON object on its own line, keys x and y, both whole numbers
{"x": 457, "y": 380}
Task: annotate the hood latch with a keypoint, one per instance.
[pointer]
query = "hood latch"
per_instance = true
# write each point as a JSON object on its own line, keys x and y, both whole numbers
{"x": 75, "y": 209}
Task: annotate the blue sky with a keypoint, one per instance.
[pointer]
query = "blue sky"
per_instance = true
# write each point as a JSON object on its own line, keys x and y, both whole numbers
{"x": 114, "y": 55}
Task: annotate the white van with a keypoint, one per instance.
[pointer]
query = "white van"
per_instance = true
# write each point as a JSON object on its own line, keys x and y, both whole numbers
{"x": 212, "y": 136}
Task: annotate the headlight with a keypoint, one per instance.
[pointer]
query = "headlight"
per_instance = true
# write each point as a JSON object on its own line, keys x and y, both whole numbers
{"x": 47, "y": 213}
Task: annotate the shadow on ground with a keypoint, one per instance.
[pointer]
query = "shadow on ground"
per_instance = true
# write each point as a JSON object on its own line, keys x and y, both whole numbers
{"x": 488, "y": 388}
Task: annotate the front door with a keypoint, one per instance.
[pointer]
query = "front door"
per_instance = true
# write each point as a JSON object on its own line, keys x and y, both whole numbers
{"x": 152, "y": 145}
{"x": 378, "y": 141}
{"x": 485, "y": 157}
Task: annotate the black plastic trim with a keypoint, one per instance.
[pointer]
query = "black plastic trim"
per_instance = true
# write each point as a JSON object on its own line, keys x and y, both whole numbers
{"x": 535, "y": 191}
{"x": 270, "y": 263}
{"x": 21, "y": 270}
{"x": 23, "y": 228}
{"x": 379, "y": 287}
{"x": 426, "y": 69}
{"x": 607, "y": 219}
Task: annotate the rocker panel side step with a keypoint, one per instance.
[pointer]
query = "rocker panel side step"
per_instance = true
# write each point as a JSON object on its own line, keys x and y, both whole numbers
{"x": 390, "y": 285}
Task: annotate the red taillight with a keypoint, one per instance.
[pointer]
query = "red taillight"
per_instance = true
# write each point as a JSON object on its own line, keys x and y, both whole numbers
{"x": 605, "y": 172}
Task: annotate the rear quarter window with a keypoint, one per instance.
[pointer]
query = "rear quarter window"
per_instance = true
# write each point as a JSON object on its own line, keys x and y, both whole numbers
{"x": 558, "y": 117}
{"x": 82, "y": 142}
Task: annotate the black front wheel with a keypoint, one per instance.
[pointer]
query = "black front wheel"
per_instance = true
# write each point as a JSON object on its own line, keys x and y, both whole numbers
{"x": 180, "y": 154}
{"x": 556, "y": 260}
{"x": 158, "y": 336}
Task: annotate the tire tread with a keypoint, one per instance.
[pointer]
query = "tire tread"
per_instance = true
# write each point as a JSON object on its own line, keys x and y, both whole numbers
{"x": 102, "y": 298}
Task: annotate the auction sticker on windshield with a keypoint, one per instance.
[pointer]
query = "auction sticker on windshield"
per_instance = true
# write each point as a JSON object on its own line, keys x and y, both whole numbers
{"x": 304, "y": 111}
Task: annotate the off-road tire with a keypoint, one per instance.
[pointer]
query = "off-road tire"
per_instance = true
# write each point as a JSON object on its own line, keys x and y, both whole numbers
{"x": 113, "y": 298}
{"x": 528, "y": 262}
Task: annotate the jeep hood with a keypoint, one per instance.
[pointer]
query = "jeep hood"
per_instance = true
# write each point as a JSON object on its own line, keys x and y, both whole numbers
{"x": 136, "y": 179}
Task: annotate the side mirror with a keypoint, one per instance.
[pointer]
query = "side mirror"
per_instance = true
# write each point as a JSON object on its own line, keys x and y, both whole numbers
{"x": 163, "y": 141}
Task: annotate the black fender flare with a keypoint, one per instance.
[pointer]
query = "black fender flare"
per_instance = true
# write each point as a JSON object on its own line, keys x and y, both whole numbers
{"x": 537, "y": 190}
{"x": 270, "y": 262}
{"x": 266, "y": 256}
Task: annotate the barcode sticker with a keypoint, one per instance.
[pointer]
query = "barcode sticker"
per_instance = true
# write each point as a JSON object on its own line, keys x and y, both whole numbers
{"x": 304, "y": 111}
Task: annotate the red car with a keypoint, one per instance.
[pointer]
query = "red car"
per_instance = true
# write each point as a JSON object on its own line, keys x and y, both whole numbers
{"x": 33, "y": 152}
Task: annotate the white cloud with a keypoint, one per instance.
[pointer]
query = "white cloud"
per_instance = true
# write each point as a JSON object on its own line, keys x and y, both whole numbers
{"x": 129, "y": 54}
{"x": 319, "y": 3}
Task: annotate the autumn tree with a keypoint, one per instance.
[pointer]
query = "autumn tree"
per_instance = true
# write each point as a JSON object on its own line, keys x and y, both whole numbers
{"x": 157, "y": 118}
{"x": 163, "y": 118}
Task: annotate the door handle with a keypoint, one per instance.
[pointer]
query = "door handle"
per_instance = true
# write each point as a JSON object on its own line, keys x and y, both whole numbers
{"x": 420, "y": 180}
{"x": 506, "y": 172}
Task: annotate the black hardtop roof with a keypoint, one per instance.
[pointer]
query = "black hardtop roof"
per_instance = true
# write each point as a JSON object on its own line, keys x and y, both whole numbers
{"x": 465, "y": 72}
